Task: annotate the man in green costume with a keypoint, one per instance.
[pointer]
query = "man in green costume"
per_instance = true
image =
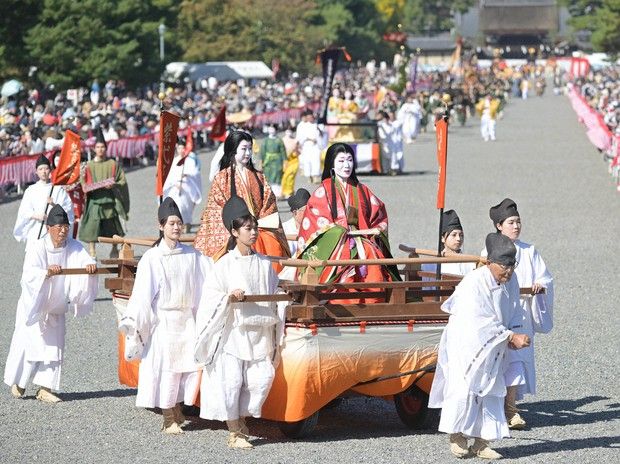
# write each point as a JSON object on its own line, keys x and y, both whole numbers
{"x": 273, "y": 154}
{"x": 107, "y": 198}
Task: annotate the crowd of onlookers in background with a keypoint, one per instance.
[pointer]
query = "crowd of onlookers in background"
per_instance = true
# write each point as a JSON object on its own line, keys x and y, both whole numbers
{"x": 601, "y": 90}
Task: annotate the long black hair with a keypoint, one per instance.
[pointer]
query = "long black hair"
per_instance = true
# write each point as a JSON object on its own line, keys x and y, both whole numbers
{"x": 238, "y": 224}
{"x": 332, "y": 151}
{"x": 230, "y": 149}
{"x": 328, "y": 173}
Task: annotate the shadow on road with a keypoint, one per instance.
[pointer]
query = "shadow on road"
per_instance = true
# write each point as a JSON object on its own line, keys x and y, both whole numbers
{"x": 566, "y": 412}
{"x": 547, "y": 446}
{"x": 79, "y": 396}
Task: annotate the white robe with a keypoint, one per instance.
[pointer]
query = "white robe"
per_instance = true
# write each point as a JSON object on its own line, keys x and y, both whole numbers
{"x": 160, "y": 327}
{"x": 33, "y": 202}
{"x": 530, "y": 269}
{"x": 309, "y": 138}
{"x": 410, "y": 115}
{"x": 237, "y": 342}
{"x": 190, "y": 193}
{"x": 39, "y": 338}
{"x": 391, "y": 137}
{"x": 469, "y": 381}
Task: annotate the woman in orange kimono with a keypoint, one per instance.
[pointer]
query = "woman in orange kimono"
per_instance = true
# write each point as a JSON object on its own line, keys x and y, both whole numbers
{"x": 345, "y": 220}
{"x": 238, "y": 176}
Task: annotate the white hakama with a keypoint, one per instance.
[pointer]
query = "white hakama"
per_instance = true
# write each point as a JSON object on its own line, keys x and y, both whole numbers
{"x": 160, "y": 327}
{"x": 38, "y": 343}
{"x": 238, "y": 342}
{"x": 469, "y": 381}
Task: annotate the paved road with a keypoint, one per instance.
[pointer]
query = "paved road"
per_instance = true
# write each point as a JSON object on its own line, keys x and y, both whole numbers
{"x": 542, "y": 159}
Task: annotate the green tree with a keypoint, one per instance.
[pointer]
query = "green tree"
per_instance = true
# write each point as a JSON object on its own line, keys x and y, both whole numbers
{"x": 601, "y": 18}
{"x": 16, "y": 18}
{"x": 75, "y": 42}
{"x": 213, "y": 30}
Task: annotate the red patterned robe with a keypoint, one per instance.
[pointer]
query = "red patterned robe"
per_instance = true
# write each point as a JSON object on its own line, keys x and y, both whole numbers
{"x": 321, "y": 236}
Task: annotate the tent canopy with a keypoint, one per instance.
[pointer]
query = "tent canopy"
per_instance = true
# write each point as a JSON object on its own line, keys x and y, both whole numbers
{"x": 221, "y": 70}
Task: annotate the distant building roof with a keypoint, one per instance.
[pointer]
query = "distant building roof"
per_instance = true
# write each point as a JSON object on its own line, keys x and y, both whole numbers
{"x": 442, "y": 42}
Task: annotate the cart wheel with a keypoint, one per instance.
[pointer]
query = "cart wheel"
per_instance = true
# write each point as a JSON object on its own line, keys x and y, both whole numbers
{"x": 301, "y": 428}
{"x": 412, "y": 407}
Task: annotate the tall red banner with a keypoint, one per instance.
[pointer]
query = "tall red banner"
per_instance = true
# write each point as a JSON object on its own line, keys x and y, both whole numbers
{"x": 68, "y": 170}
{"x": 168, "y": 128}
{"x": 218, "y": 130}
{"x": 441, "y": 127}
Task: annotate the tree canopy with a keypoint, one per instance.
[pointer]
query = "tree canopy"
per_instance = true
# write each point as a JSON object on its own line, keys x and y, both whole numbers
{"x": 601, "y": 18}
{"x": 71, "y": 43}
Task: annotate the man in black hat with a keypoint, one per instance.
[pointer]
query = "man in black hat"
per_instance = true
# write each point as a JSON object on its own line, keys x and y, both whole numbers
{"x": 38, "y": 342}
{"x": 36, "y": 202}
{"x": 107, "y": 198}
{"x": 469, "y": 382}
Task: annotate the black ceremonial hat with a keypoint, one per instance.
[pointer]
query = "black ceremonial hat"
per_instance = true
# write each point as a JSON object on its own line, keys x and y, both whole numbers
{"x": 450, "y": 222}
{"x": 500, "y": 249}
{"x": 56, "y": 216}
{"x": 99, "y": 138}
{"x": 507, "y": 208}
{"x": 42, "y": 160}
{"x": 168, "y": 208}
{"x": 234, "y": 208}
{"x": 299, "y": 199}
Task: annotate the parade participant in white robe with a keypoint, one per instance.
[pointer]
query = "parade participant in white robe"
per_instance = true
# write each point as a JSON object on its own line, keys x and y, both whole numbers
{"x": 297, "y": 203}
{"x": 391, "y": 137}
{"x": 410, "y": 114}
{"x": 238, "y": 342}
{"x": 36, "y": 202}
{"x": 452, "y": 238}
{"x": 473, "y": 353}
{"x": 159, "y": 322}
{"x": 531, "y": 272}
{"x": 309, "y": 138}
{"x": 37, "y": 347}
{"x": 184, "y": 183}
{"x": 487, "y": 108}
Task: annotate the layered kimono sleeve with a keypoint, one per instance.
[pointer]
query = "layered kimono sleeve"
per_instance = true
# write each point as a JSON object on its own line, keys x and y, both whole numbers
{"x": 121, "y": 192}
{"x": 542, "y": 304}
{"x": 35, "y": 284}
{"x": 24, "y": 221}
{"x": 82, "y": 288}
{"x": 269, "y": 203}
{"x": 211, "y": 231}
{"x": 193, "y": 180}
{"x": 377, "y": 216}
{"x": 139, "y": 318}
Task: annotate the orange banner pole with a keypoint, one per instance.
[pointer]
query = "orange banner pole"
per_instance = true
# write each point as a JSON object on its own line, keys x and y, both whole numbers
{"x": 441, "y": 127}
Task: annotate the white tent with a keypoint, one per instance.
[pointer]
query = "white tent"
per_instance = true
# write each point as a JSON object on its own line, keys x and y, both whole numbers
{"x": 221, "y": 70}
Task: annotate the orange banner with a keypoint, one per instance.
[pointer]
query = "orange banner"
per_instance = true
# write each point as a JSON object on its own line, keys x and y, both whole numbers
{"x": 441, "y": 127}
{"x": 168, "y": 128}
{"x": 68, "y": 170}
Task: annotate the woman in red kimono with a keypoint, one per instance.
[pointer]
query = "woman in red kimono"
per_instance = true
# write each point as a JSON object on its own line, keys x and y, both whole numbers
{"x": 345, "y": 220}
{"x": 238, "y": 176}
